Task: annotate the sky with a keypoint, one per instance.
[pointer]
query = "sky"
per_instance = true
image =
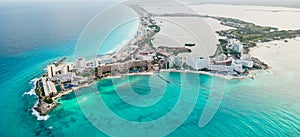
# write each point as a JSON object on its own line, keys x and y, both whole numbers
{"x": 288, "y": 3}
{"x": 281, "y": 3}
{"x": 196, "y": 1}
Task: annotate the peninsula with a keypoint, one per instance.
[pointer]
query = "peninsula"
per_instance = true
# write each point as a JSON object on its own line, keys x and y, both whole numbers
{"x": 141, "y": 57}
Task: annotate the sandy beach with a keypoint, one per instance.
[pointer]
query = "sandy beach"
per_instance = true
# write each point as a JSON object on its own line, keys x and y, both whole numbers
{"x": 178, "y": 31}
{"x": 284, "y": 54}
{"x": 281, "y": 56}
{"x": 228, "y": 77}
{"x": 279, "y": 17}
{"x": 130, "y": 74}
{"x": 201, "y": 30}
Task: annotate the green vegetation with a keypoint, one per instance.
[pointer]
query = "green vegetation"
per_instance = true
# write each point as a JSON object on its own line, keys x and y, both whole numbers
{"x": 223, "y": 49}
{"x": 85, "y": 75}
{"x": 157, "y": 28}
{"x": 250, "y": 33}
{"x": 48, "y": 100}
{"x": 252, "y": 28}
{"x": 39, "y": 91}
{"x": 175, "y": 50}
{"x": 223, "y": 41}
{"x": 232, "y": 20}
{"x": 253, "y": 35}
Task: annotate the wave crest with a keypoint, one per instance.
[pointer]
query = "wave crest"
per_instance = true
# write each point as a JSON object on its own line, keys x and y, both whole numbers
{"x": 31, "y": 92}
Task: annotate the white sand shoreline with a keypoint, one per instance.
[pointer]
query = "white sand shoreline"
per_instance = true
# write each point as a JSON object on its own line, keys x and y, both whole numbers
{"x": 279, "y": 17}
{"x": 173, "y": 36}
{"x": 130, "y": 74}
{"x": 281, "y": 56}
{"x": 178, "y": 31}
{"x": 228, "y": 77}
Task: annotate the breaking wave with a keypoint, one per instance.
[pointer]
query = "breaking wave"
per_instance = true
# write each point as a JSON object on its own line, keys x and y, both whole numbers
{"x": 33, "y": 85}
{"x": 37, "y": 114}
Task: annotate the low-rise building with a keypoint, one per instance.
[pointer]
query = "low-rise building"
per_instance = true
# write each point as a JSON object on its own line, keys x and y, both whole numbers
{"x": 246, "y": 57}
{"x": 221, "y": 68}
{"x": 63, "y": 78}
{"x": 80, "y": 63}
{"x": 145, "y": 57}
{"x": 248, "y": 63}
{"x": 78, "y": 80}
{"x": 121, "y": 68}
{"x": 245, "y": 63}
{"x": 178, "y": 62}
{"x": 237, "y": 66}
{"x": 48, "y": 87}
{"x": 156, "y": 67}
{"x": 105, "y": 61}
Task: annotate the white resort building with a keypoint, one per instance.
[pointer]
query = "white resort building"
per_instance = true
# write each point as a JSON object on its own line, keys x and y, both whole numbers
{"x": 198, "y": 63}
{"x": 236, "y": 45}
{"x": 49, "y": 87}
{"x": 59, "y": 69}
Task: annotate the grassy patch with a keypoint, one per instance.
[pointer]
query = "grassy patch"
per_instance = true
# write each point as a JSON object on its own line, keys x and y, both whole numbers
{"x": 250, "y": 32}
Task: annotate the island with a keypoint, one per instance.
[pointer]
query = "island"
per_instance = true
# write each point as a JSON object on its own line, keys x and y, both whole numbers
{"x": 140, "y": 57}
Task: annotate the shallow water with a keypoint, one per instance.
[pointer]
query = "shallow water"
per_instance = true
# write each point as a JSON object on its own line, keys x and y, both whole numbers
{"x": 266, "y": 106}
{"x": 257, "y": 107}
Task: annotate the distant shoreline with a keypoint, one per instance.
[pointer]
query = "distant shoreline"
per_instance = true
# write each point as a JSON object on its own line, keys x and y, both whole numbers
{"x": 46, "y": 103}
{"x": 228, "y": 77}
{"x": 279, "y": 5}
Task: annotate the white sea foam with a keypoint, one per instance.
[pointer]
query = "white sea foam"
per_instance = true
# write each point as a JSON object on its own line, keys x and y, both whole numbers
{"x": 30, "y": 93}
{"x": 32, "y": 90}
{"x": 37, "y": 114}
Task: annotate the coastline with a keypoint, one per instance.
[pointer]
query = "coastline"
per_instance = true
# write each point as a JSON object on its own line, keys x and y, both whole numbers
{"x": 240, "y": 3}
{"x": 270, "y": 16}
{"x": 43, "y": 108}
{"x": 228, "y": 77}
{"x": 177, "y": 31}
{"x": 267, "y": 105}
{"x": 127, "y": 40}
{"x": 280, "y": 55}
{"x": 129, "y": 74}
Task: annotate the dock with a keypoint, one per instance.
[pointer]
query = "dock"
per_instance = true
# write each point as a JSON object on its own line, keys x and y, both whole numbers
{"x": 163, "y": 78}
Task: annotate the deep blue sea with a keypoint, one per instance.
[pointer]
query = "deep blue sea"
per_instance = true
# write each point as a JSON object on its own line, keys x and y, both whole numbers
{"x": 32, "y": 35}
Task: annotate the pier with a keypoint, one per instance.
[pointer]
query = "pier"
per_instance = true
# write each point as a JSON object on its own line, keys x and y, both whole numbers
{"x": 163, "y": 78}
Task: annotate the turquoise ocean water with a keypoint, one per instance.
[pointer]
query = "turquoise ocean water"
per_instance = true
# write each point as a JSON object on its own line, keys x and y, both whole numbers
{"x": 34, "y": 34}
